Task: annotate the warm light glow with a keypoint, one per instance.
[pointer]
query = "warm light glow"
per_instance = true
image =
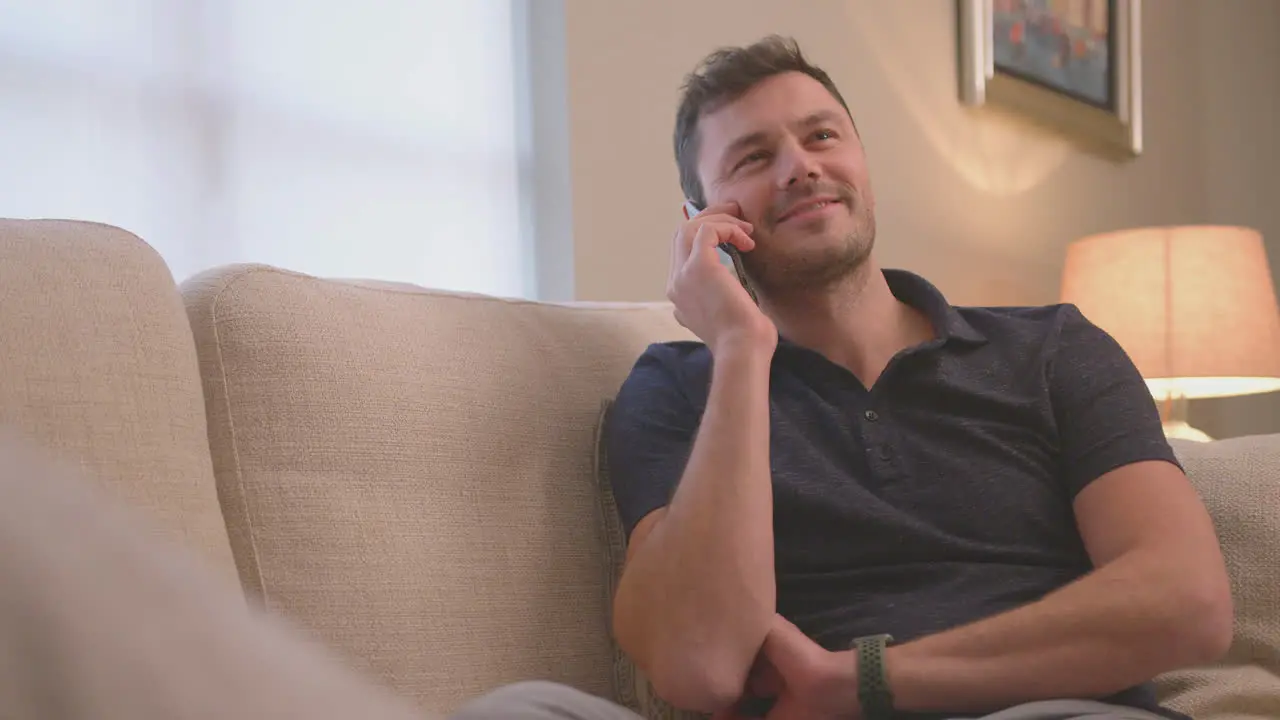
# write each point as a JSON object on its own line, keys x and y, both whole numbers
{"x": 1193, "y": 306}
{"x": 996, "y": 152}
{"x": 1210, "y": 387}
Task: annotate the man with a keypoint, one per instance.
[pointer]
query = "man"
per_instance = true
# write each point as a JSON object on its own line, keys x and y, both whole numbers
{"x": 854, "y": 458}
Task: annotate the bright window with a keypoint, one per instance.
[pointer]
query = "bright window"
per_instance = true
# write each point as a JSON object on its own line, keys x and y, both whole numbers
{"x": 342, "y": 139}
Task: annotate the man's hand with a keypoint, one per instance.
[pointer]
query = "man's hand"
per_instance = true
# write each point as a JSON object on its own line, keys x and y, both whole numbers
{"x": 808, "y": 681}
{"x": 708, "y": 298}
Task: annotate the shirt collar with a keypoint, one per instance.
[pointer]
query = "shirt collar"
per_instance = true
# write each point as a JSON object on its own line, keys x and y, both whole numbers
{"x": 920, "y": 294}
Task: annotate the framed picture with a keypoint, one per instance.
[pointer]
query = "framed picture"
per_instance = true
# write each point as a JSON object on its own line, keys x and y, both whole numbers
{"x": 1071, "y": 65}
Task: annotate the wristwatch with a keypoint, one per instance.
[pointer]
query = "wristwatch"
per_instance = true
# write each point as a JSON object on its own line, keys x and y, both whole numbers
{"x": 874, "y": 693}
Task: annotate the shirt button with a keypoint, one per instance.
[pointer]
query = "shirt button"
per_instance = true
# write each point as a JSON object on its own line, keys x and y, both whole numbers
{"x": 871, "y": 415}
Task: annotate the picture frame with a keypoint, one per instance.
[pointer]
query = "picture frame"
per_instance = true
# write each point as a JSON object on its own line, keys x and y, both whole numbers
{"x": 1073, "y": 66}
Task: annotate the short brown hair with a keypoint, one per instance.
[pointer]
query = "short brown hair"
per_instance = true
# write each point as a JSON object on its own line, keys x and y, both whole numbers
{"x": 722, "y": 77}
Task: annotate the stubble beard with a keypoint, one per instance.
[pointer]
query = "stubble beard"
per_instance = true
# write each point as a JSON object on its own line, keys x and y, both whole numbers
{"x": 818, "y": 271}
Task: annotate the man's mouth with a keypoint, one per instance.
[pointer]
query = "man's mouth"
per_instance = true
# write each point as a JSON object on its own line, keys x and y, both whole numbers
{"x": 814, "y": 207}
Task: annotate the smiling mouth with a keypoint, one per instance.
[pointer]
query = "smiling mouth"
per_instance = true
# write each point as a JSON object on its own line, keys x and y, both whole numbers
{"x": 807, "y": 209}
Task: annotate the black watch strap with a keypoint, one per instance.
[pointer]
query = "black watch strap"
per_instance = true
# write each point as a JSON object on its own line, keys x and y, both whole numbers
{"x": 873, "y": 683}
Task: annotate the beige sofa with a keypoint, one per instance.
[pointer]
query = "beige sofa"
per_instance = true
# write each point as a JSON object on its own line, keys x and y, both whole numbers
{"x": 411, "y": 475}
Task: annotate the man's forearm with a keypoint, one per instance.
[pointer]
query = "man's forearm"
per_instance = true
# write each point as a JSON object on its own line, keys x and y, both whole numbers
{"x": 701, "y": 588}
{"x": 1117, "y": 627}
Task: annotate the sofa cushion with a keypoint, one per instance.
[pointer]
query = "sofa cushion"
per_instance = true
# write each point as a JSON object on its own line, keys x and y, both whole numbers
{"x": 1239, "y": 481}
{"x": 410, "y": 473}
{"x": 97, "y": 367}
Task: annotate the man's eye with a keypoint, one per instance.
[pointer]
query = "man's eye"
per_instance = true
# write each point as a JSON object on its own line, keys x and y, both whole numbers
{"x": 753, "y": 157}
{"x": 824, "y": 135}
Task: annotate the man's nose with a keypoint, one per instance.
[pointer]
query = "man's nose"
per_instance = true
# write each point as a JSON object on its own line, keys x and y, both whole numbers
{"x": 798, "y": 165}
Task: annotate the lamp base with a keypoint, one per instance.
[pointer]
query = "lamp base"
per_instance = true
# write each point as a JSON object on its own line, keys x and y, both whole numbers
{"x": 1181, "y": 430}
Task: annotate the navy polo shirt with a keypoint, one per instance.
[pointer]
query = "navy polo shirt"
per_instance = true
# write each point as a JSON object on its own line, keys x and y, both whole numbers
{"x": 939, "y": 496}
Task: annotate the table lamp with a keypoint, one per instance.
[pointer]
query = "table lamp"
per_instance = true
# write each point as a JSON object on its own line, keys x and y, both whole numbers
{"x": 1193, "y": 306}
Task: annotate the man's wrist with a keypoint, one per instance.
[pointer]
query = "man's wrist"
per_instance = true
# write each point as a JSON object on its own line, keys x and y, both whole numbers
{"x": 744, "y": 346}
{"x": 875, "y": 696}
{"x": 738, "y": 362}
{"x": 842, "y": 684}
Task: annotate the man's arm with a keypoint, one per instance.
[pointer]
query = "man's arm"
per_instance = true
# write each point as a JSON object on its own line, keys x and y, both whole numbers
{"x": 1158, "y": 597}
{"x": 697, "y": 593}
{"x": 1158, "y": 600}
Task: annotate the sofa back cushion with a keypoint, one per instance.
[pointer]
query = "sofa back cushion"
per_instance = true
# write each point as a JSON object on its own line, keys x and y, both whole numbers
{"x": 409, "y": 473}
{"x": 1239, "y": 481}
{"x": 98, "y": 370}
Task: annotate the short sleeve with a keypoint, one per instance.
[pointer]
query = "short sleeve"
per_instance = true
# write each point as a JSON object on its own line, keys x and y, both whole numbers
{"x": 1105, "y": 413}
{"x": 648, "y": 435}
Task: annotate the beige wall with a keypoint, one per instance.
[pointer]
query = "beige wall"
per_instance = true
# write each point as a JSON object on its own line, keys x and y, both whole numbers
{"x": 1240, "y": 78}
{"x": 980, "y": 205}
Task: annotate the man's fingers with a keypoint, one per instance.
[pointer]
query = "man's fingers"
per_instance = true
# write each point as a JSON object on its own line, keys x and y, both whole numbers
{"x": 788, "y": 708}
{"x": 765, "y": 681}
{"x": 703, "y": 251}
{"x": 677, "y": 257}
{"x": 728, "y": 208}
{"x": 785, "y": 644}
{"x": 713, "y": 233}
{"x": 704, "y": 244}
{"x": 709, "y": 236}
{"x": 700, "y": 244}
{"x": 724, "y": 218}
{"x": 728, "y": 212}
{"x": 741, "y": 240}
{"x": 721, "y": 217}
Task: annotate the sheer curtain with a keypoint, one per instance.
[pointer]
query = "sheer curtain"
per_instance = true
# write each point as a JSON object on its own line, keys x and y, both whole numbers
{"x": 340, "y": 139}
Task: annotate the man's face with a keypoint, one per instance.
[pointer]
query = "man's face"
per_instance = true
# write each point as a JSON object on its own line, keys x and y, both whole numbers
{"x": 788, "y": 154}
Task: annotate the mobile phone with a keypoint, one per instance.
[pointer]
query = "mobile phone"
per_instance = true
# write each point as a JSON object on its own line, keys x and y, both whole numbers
{"x": 727, "y": 252}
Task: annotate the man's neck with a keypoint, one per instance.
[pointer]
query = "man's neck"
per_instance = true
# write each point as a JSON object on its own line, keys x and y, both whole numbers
{"x": 857, "y": 323}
